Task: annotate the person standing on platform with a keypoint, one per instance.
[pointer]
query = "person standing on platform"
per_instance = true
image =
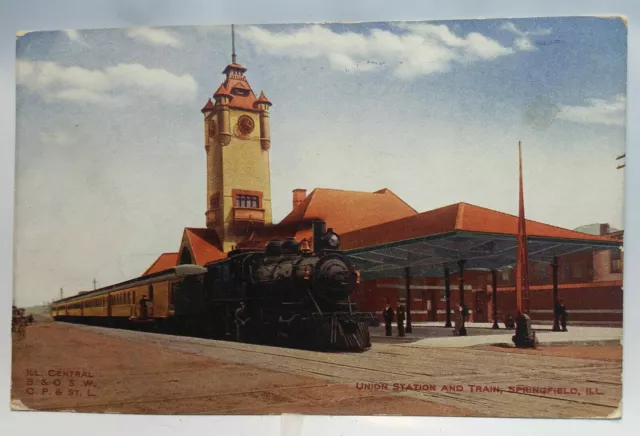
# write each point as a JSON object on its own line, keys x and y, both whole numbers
{"x": 241, "y": 322}
{"x": 387, "y": 314}
{"x": 563, "y": 314}
{"x": 144, "y": 308}
{"x": 400, "y": 316}
{"x": 458, "y": 322}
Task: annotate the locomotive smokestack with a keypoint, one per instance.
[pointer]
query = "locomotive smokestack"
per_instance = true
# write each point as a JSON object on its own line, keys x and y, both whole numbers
{"x": 298, "y": 196}
{"x": 319, "y": 231}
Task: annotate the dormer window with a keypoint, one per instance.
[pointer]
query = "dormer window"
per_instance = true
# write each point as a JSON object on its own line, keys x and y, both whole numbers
{"x": 241, "y": 92}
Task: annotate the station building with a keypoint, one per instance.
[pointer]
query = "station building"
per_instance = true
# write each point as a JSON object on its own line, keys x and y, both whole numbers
{"x": 238, "y": 215}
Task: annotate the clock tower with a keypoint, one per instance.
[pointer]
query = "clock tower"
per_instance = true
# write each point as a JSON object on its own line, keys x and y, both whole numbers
{"x": 237, "y": 142}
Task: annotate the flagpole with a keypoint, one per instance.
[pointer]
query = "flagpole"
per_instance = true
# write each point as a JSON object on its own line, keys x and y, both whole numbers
{"x": 522, "y": 259}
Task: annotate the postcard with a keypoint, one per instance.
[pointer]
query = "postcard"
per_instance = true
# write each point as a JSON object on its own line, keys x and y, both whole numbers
{"x": 391, "y": 218}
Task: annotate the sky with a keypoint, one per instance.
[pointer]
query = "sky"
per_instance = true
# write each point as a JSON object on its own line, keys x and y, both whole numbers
{"x": 110, "y": 160}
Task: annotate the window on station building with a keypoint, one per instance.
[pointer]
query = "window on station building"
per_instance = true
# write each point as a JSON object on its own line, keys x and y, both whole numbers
{"x": 543, "y": 273}
{"x": 252, "y": 201}
{"x": 616, "y": 261}
{"x": 505, "y": 274}
{"x": 577, "y": 270}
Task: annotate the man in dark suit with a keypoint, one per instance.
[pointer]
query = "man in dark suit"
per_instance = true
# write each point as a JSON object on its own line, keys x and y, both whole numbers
{"x": 241, "y": 322}
{"x": 562, "y": 314}
{"x": 387, "y": 314}
{"x": 400, "y": 317}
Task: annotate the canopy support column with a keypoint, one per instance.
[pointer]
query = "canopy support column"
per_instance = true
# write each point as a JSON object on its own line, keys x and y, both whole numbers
{"x": 447, "y": 297}
{"x": 556, "y": 320}
{"x": 463, "y": 330}
{"x": 494, "y": 288}
{"x": 407, "y": 281}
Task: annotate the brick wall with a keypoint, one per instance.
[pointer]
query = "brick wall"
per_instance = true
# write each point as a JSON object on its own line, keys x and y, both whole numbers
{"x": 590, "y": 303}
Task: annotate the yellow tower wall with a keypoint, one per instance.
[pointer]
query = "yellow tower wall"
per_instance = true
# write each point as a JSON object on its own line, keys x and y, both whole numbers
{"x": 241, "y": 165}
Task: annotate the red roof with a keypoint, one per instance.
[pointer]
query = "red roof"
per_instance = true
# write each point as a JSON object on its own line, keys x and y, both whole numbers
{"x": 237, "y": 81}
{"x": 205, "y": 245}
{"x": 346, "y": 211}
{"x": 207, "y": 107}
{"x": 165, "y": 261}
{"x": 262, "y": 99}
{"x": 234, "y": 66}
{"x": 343, "y": 211}
{"x": 455, "y": 217}
{"x": 222, "y": 90}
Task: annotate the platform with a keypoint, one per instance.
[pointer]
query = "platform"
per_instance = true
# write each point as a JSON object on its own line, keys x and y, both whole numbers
{"x": 433, "y": 334}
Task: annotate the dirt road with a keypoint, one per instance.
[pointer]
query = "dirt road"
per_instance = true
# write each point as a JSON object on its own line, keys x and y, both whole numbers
{"x": 138, "y": 372}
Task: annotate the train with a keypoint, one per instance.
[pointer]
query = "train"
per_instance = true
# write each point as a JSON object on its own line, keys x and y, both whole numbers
{"x": 286, "y": 294}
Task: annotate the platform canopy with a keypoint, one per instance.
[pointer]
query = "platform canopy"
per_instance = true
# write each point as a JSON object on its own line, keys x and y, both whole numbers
{"x": 484, "y": 238}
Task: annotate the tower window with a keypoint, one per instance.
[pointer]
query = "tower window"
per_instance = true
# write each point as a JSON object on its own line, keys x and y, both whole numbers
{"x": 252, "y": 201}
{"x": 213, "y": 201}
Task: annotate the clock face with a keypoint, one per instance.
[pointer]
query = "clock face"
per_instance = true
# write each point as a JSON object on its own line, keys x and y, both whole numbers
{"x": 245, "y": 126}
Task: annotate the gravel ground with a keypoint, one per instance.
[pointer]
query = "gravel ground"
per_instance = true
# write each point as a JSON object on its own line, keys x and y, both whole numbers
{"x": 135, "y": 377}
{"x": 149, "y": 373}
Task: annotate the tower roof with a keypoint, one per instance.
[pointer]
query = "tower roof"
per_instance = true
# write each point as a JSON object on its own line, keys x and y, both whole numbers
{"x": 236, "y": 84}
{"x": 207, "y": 107}
{"x": 234, "y": 67}
{"x": 222, "y": 90}
{"x": 262, "y": 99}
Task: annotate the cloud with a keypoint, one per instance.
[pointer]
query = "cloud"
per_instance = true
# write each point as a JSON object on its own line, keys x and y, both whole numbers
{"x": 523, "y": 41}
{"x": 155, "y": 36}
{"x": 74, "y": 35}
{"x": 419, "y": 49}
{"x": 109, "y": 86}
{"x": 610, "y": 112}
{"x": 57, "y": 137}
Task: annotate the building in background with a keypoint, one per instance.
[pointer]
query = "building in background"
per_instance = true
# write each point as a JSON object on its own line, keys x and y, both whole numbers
{"x": 238, "y": 215}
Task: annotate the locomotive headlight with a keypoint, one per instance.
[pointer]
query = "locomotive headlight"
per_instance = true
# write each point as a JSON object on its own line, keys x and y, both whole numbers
{"x": 333, "y": 240}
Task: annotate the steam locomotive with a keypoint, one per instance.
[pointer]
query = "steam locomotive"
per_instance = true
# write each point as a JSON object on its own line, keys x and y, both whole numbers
{"x": 288, "y": 295}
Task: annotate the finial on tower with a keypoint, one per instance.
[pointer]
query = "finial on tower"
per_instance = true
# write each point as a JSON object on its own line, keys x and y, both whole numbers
{"x": 233, "y": 45}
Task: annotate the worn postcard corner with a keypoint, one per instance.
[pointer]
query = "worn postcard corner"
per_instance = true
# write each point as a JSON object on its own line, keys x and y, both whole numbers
{"x": 371, "y": 219}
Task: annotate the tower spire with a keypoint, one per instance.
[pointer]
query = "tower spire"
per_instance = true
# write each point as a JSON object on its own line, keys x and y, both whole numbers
{"x": 233, "y": 44}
